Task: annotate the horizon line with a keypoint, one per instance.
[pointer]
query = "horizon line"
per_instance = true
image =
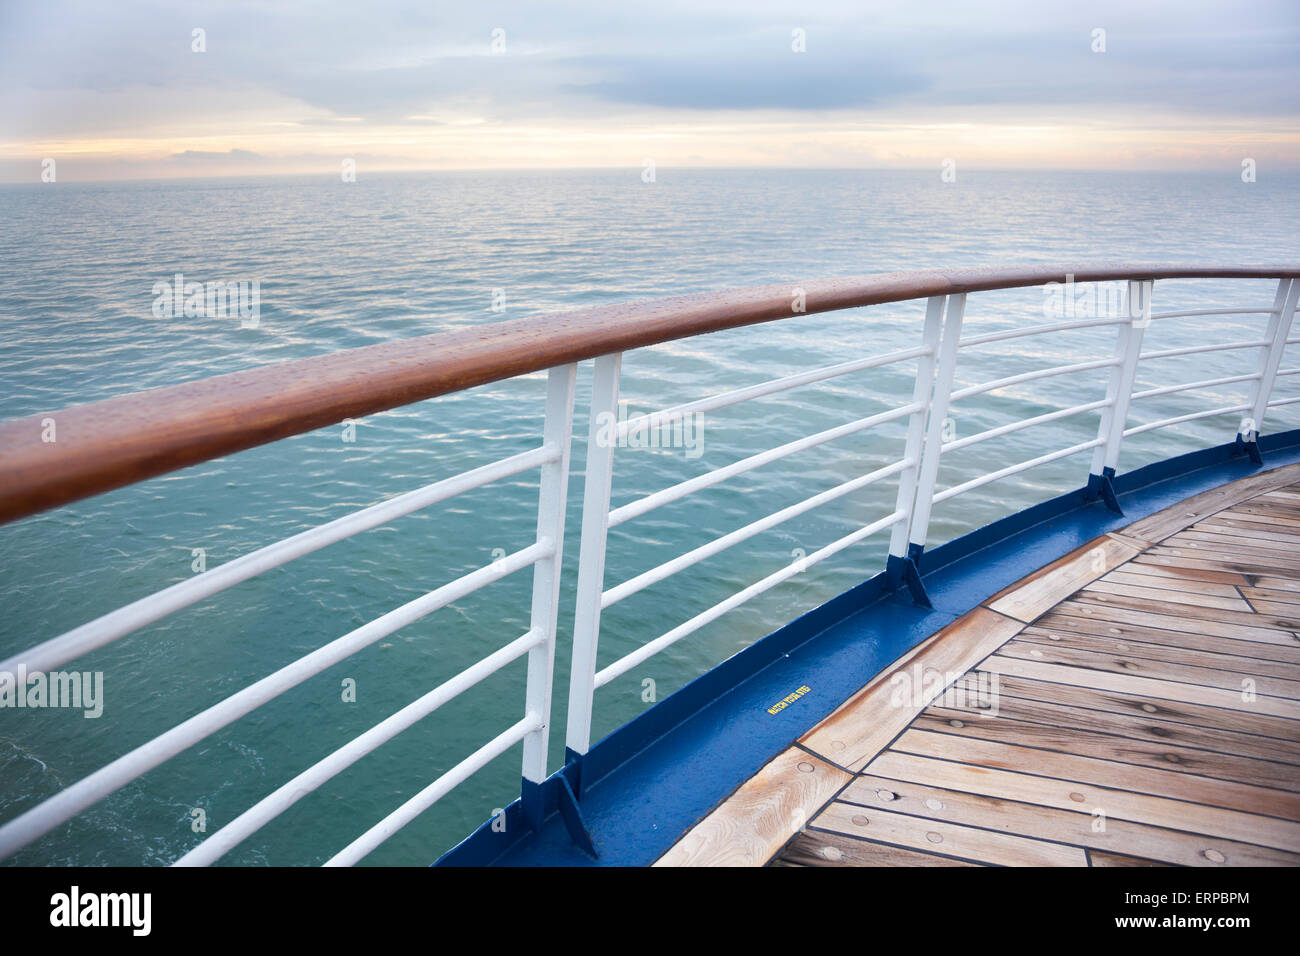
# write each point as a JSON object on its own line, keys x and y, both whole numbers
{"x": 1230, "y": 171}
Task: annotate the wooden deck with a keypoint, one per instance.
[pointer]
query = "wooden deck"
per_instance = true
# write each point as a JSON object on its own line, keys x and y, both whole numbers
{"x": 1135, "y": 703}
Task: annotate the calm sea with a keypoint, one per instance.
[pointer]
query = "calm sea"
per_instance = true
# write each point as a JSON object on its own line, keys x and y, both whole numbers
{"x": 394, "y": 256}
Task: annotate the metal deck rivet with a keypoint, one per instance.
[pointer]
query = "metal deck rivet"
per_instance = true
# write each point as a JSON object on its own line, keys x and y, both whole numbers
{"x": 1149, "y": 708}
{"x": 832, "y": 853}
{"x": 886, "y": 794}
{"x": 806, "y": 767}
{"x": 934, "y": 804}
{"x": 1214, "y": 856}
{"x": 1077, "y": 797}
{"x": 934, "y": 837}
{"x": 860, "y": 820}
{"x": 956, "y": 723}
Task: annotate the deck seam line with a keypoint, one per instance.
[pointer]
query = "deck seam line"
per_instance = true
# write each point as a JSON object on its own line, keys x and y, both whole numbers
{"x": 1099, "y": 786}
{"x": 1121, "y": 763}
{"x": 1136, "y": 740}
{"x": 1029, "y": 639}
{"x": 1044, "y": 806}
{"x": 903, "y": 846}
{"x": 1172, "y": 680}
{"x": 1183, "y": 723}
{"x": 1157, "y": 627}
{"x": 1113, "y": 816}
{"x": 1167, "y": 680}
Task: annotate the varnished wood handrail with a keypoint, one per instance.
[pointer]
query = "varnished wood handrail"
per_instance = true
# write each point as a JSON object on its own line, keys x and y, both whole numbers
{"x": 119, "y": 441}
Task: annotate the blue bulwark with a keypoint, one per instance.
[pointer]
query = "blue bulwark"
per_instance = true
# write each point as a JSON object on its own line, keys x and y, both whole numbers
{"x": 637, "y": 791}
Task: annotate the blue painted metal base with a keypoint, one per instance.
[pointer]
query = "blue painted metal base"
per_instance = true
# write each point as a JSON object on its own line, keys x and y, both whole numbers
{"x": 907, "y": 571}
{"x": 649, "y": 781}
{"x": 1250, "y": 448}
{"x": 1103, "y": 487}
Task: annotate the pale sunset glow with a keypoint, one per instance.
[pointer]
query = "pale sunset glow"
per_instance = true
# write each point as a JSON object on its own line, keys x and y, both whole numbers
{"x": 160, "y": 90}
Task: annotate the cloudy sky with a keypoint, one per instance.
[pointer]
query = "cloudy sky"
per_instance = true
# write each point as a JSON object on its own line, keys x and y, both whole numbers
{"x": 116, "y": 89}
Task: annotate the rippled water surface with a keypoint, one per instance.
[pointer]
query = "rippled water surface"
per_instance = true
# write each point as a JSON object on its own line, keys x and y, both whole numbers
{"x": 396, "y": 256}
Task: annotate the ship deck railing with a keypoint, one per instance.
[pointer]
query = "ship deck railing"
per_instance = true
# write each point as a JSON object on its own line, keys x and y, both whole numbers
{"x": 121, "y": 441}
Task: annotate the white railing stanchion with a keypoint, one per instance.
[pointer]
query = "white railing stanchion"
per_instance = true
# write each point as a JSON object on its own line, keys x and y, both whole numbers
{"x": 602, "y": 437}
{"x": 552, "y": 499}
{"x": 1119, "y": 393}
{"x": 1279, "y": 328}
{"x": 898, "y": 567}
{"x": 928, "y": 472}
{"x": 921, "y": 394}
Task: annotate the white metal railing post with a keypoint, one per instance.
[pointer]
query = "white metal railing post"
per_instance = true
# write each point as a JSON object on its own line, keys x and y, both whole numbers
{"x": 602, "y": 437}
{"x": 1119, "y": 392}
{"x": 552, "y": 498}
{"x": 921, "y": 395}
{"x": 932, "y": 451}
{"x": 1279, "y": 329}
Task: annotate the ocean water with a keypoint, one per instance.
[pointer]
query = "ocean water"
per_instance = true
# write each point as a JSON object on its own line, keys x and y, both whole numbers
{"x": 395, "y": 256}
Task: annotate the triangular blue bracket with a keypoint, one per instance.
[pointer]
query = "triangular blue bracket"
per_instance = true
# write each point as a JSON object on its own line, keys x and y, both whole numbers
{"x": 1102, "y": 486}
{"x": 571, "y": 813}
{"x": 901, "y": 571}
{"x": 533, "y": 800}
{"x": 1250, "y": 448}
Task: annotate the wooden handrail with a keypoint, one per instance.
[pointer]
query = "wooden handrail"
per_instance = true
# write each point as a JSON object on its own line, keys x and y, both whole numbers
{"x": 119, "y": 441}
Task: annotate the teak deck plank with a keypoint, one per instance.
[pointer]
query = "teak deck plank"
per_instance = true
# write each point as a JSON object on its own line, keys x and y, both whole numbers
{"x": 1027, "y": 599}
{"x": 1135, "y": 729}
{"x": 1169, "y": 619}
{"x": 1060, "y": 626}
{"x": 1078, "y": 826}
{"x": 1191, "y": 587}
{"x": 861, "y": 726}
{"x": 1100, "y": 772}
{"x": 965, "y": 843}
{"x": 1167, "y": 812}
{"x": 1117, "y": 661}
{"x": 1141, "y": 706}
{"x": 1088, "y": 699}
{"x": 1158, "y": 651}
{"x": 1169, "y": 595}
{"x": 1194, "y": 616}
{"x": 823, "y": 848}
{"x": 762, "y": 815}
{"x": 1149, "y": 686}
{"x": 1155, "y": 753}
{"x": 1137, "y": 566}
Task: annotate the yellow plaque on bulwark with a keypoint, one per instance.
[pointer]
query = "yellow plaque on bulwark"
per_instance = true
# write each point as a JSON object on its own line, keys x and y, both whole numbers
{"x": 787, "y": 701}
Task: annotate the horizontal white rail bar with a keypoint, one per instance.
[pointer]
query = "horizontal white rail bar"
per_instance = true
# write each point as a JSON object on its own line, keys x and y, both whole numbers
{"x": 986, "y": 337}
{"x": 280, "y": 800}
{"x": 1190, "y": 386}
{"x": 1023, "y": 423}
{"x": 646, "y": 651}
{"x": 669, "y": 568}
{"x": 42, "y": 818}
{"x": 1185, "y": 313}
{"x": 1286, "y": 371}
{"x": 669, "y": 415}
{"x": 369, "y": 841}
{"x": 1283, "y": 401}
{"x": 1010, "y": 380}
{"x": 104, "y": 630}
{"x": 681, "y": 489}
{"x": 1149, "y": 426}
{"x": 1015, "y": 469}
{"x": 1197, "y": 349}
